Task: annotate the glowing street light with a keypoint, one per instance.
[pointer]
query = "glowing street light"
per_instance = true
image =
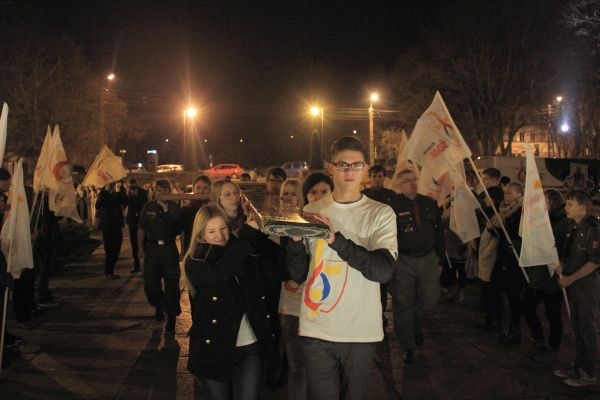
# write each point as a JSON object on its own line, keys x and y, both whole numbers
{"x": 316, "y": 111}
{"x": 191, "y": 112}
{"x": 110, "y": 77}
{"x": 374, "y": 97}
{"x": 565, "y": 127}
{"x": 559, "y": 98}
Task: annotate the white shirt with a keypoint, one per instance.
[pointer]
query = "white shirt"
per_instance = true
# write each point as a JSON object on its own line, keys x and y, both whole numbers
{"x": 338, "y": 303}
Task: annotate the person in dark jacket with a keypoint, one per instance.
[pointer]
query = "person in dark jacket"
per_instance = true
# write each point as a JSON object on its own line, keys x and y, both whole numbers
{"x": 110, "y": 204}
{"x": 231, "y": 332}
{"x": 579, "y": 269}
{"x": 159, "y": 225}
{"x": 507, "y": 276}
{"x": 421, "y": 248}
{"x": 200, "y": 186}
{"x": 542, "y": 286}
{"x": 136, "y": 198}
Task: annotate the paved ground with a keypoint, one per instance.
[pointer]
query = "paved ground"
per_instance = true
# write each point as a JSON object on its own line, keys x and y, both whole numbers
{"x": 102, "y": 342}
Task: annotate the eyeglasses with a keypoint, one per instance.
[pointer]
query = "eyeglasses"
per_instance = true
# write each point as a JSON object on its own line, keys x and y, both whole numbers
{"x": 228, "y": 195}
{"x": 344, "y": 166}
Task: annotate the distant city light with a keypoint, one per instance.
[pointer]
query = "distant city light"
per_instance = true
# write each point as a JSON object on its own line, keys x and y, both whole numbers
{"x": 110, "y": 77}
{"x": 139, "y": 165}
{"x": 191, "y": 112}
{"x": 565, "y": 127}
{"x": 151, "y": 152}
{"x": 354, "y": 131}
{"x": 167, "y": 140}
{"x": 374, "y": 96}
{"x": 241, "y": 140}
{"x": 559, "y": 98}
{"x": 291, "y": 136}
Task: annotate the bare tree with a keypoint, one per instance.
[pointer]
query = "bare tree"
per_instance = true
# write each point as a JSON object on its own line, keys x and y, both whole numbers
{"x": 488, "y": 60}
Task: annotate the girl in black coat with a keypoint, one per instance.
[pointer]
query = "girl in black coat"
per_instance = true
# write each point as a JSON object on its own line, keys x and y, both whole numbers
{"x": 231, "y": 334}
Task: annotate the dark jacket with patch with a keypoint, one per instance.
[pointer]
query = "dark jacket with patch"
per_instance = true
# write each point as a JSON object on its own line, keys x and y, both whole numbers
{"x": 419, "y": 234}
{"x": 228, "y": 284}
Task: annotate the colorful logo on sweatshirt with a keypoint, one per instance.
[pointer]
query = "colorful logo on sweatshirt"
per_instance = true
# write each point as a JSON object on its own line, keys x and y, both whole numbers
{"x": 326, "y": 284}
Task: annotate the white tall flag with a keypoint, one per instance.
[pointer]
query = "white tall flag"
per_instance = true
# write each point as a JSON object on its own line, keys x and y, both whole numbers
{"x": 15, "y": 235}
{"x": 105, "y": 169}
{"x": 435, "y": 138}
{"x": 440, "y": 188}
{"x": 463, "y": 220}
{"x": 538, "y": 246}
{"x": 42, "y": 162}
{"x": 57, "y": 177}
{"x": 3, "y": 131}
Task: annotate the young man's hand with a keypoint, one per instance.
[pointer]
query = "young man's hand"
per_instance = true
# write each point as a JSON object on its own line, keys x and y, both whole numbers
{"x": 565, "y": 281}
{"x": 331, "y": 238}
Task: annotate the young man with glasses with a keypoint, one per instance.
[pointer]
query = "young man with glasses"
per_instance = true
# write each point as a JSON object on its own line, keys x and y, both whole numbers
{"x": 340, "y": 314}
{"x": 414, "y": 287}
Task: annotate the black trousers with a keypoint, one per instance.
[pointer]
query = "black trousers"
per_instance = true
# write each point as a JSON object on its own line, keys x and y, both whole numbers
{"x": 552, "y": 307}
{"x": 24, "y": 295}
{"x": 161, "y": 264}
{"x": 133, "y": 238}
{"x": 450, "y": 271}
{"x": 113, "y": 238}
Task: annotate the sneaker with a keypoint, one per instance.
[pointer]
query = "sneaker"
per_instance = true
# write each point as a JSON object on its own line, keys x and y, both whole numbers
{"x": 48, "y": 304}
{"x": 582, "y": 380}
{"x": 170, "y": 326}
{"x": 113, "y": 276}
{"x": 566, "y": 373}
{"x": 409, "y": 356}
{"x": 12, "y": 337}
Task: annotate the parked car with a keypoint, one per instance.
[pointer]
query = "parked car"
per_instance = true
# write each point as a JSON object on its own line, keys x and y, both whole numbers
{"x": 222, "y": 171}
{"x": 169, "y": 168}
{"x": 295, "y": 169}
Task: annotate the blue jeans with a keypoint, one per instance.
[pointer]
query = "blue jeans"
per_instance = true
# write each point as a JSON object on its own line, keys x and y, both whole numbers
{"x": 245, "y": 379}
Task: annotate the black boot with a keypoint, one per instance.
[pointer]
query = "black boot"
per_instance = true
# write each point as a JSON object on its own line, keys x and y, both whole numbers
{"x": 170, "y": 326}
{"x": 513, "y": 337}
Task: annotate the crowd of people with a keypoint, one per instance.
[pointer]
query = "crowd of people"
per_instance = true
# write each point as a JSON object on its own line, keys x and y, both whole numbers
{"x": 313, "y": 308}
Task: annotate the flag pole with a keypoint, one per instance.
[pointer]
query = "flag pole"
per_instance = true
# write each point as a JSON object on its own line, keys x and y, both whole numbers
{"x": 5, "y": 308}
{"x": 497, "y": 216}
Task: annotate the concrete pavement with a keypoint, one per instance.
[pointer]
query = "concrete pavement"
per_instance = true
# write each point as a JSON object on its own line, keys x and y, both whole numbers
{"x": 102, "y": 342}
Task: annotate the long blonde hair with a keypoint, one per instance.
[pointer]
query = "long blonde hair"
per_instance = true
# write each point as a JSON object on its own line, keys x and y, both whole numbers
{"x": 204, "y": 214}
{"x": 215, "y": 192}
{"x": 297, "y": 189}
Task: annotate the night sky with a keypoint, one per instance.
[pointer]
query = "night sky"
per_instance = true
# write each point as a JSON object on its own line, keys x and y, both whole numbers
{"x": 252, "y": 67}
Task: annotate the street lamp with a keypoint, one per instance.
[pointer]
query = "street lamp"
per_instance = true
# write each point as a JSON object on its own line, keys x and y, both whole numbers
{"x": 188, "y": 140}
{"x": 374, "y": 97}
{"x": 315, "y": 111}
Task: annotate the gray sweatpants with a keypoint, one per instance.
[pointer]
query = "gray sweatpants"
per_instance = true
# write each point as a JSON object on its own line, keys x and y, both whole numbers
{"x": 414, "y": 289}
{"x": 337, "y": 370}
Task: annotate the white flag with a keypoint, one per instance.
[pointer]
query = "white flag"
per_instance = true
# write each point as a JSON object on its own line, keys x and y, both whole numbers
{"x": 57, "y": 177}
{"x": 538, "y": 245}
{"x": 440, "y": 188}
{"x": 463, "y": 220}
{"x": 106, "y": 168}
{"x": 435, "y": 139}
{"x": 3, "y": 131}
{"x": 15, "y": 235}
{"x": 42, "y": 162}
